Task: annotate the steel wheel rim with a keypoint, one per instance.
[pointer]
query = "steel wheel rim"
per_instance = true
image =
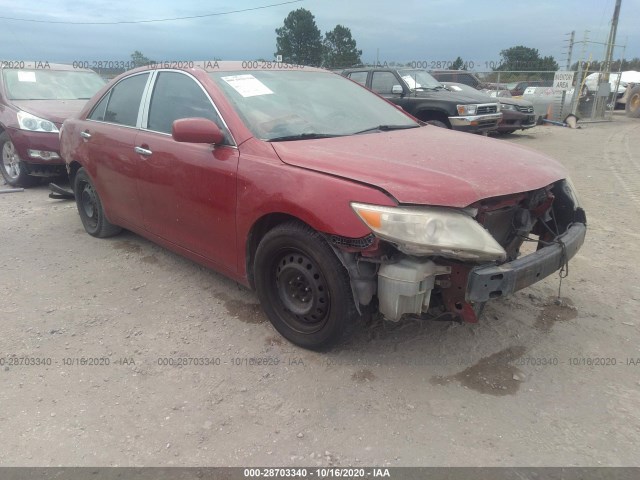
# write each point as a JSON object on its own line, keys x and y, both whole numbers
{"x": 10, "y": 160}
{"x": 635, "y": 101}
{"x": 302, "y": 292}
{"x": 88, "y": 204}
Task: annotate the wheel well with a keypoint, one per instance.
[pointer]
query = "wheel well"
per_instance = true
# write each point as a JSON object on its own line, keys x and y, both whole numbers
{"x": 256, "y": 234}
{"x": 426, "y": 115}
{"x": 73, "y": 169}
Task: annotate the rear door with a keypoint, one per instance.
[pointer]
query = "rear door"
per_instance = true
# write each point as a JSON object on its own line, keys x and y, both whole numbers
{"x": 187, "y": 190}
{"x": 108, "y": 135}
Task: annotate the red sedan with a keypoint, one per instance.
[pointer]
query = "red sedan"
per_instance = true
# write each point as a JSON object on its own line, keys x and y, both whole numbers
{"x": 318, "y": 193}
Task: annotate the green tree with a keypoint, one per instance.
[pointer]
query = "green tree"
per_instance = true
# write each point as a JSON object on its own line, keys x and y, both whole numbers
{"x": 524, "y": 58}
{"x": 339, "y": 49}
{"x": 299, "y": 40}
{"x": 458, "y": 64}
{"x": 139, "y": 59}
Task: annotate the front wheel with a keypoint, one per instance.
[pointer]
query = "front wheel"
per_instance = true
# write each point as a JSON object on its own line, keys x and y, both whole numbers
{"x": 13, "y": 169}
{"x": 304, "y": 289}
{"x": 90, "y": 208}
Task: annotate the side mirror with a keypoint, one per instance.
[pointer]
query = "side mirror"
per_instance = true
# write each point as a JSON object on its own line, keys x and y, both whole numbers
{"x": 196, "y": 130}
{"x": 397, "y": 89}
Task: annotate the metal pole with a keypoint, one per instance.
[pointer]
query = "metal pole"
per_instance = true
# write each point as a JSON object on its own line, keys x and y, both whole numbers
{"x": 564, "y": 92}
{"x": 576, "y": 91}
{"x": 612, "y": 40}
{"x": 601, "y": 102}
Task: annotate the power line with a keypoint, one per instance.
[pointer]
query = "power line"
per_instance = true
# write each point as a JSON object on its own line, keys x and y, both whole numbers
{"x": 154, "y": 20}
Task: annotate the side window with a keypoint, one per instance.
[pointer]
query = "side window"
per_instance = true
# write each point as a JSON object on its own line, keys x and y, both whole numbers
{"x": 178, "y": 96}
{"x": 123, "y": 102}
{"x": 383, "y": 82}
{"x": 360, "y": 77}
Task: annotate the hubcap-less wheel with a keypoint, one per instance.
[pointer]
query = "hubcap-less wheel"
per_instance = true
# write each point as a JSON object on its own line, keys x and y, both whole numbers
{"x": 635, "y": 101}
{"x": 88, "y": 203}
{"x": 10, "y": 160}
{"x": 303, "y": 287}
{"x": 302, "y": 291}
{"x": 90, "y": 207}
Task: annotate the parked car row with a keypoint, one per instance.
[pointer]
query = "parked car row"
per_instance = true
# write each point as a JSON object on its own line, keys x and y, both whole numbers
{"x": 447, "y": 104}
{"x": 424, "y": 97}
{"x": 323, "y": 196}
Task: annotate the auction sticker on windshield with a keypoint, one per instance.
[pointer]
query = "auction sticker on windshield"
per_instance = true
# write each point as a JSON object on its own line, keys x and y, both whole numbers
{"x": 247, "y": 85}
{"x": 26, "y": 76}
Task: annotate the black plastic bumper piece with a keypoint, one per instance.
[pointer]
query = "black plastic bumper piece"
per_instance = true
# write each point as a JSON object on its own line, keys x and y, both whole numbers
{"x": 495, "y": 281}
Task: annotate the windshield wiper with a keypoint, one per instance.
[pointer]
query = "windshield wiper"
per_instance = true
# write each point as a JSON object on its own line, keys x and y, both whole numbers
{"x": 386, "y": 128}
{"x": 303, "y": 136}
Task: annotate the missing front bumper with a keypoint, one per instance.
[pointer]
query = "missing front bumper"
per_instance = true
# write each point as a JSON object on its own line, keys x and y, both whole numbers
{"x": 491, "y": 281}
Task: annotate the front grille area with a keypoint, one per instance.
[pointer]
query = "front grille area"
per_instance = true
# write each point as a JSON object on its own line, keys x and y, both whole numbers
{"x": 484, "y": 109}
{"x": 524, "y": 109}
{"x": 510, "y": 219}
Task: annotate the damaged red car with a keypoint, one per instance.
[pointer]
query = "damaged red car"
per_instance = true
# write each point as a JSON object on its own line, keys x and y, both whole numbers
{"x": 318, "y": 193}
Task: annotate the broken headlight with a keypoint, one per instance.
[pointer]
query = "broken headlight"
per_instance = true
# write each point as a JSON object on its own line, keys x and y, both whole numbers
{"x": 446, "y": 232}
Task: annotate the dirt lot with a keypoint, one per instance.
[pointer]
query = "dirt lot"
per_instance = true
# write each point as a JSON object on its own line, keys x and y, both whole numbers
{"x": 534, "y": 383}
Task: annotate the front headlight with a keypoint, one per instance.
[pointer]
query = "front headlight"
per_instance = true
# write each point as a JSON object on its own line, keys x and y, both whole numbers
{"x": 439, "y": 231}
{"x": 26, "y": 121}
{"x": 467, "y": 109}
{"x": 506, "y": 106}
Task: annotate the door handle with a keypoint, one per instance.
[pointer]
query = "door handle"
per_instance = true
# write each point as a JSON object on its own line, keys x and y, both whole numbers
{"x": 142, "y": 151}
{"x": 86, "y": 135}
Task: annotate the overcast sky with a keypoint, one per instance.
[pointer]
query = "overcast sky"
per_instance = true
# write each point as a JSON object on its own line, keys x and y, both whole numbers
{"x": 421, "y": 30}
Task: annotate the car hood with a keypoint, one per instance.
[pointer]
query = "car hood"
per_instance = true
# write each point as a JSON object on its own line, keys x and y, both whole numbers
{"x": 458, "y": 97}
{"x": 515, "y": 101}
{"x": 427, "y": 165}
{"x": 56, "y": 111}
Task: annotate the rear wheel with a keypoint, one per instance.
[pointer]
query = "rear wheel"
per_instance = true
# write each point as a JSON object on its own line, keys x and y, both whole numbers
{"x": 303, "y": 287}
{"x": 633, "y": 102}
{"x": 13, "y": 169}
{"x": 90, "y": 208}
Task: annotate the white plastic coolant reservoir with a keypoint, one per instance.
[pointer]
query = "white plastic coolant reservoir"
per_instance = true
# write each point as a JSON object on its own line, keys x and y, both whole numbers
{"x": 405, "y": 286}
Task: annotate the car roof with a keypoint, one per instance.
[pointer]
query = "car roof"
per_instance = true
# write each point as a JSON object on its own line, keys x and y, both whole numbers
{"x": 228, "y": 66}
{"x": 452, "y": 71}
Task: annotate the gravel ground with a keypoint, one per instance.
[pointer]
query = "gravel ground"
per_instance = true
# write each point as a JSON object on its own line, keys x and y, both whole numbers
{"x": 534, "y": 383}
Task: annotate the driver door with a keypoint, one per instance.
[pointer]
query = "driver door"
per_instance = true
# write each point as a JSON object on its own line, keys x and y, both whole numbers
{"x": 187, "y": 190}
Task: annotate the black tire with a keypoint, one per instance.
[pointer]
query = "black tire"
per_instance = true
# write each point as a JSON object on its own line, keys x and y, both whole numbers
{"x": 303, "y": 287}
{"x": 506, "y": 132}
{"x": 437, "y": 123}
{"x": 14, "y": 170}
{"x": 633, "y": 103}
{"x": 90, "y": 208}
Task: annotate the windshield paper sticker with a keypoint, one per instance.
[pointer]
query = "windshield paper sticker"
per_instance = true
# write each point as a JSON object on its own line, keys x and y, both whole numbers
{"x": 411, "y": 82}
{"x": 247, "y": 85}
{"x": 26, "y": 76}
